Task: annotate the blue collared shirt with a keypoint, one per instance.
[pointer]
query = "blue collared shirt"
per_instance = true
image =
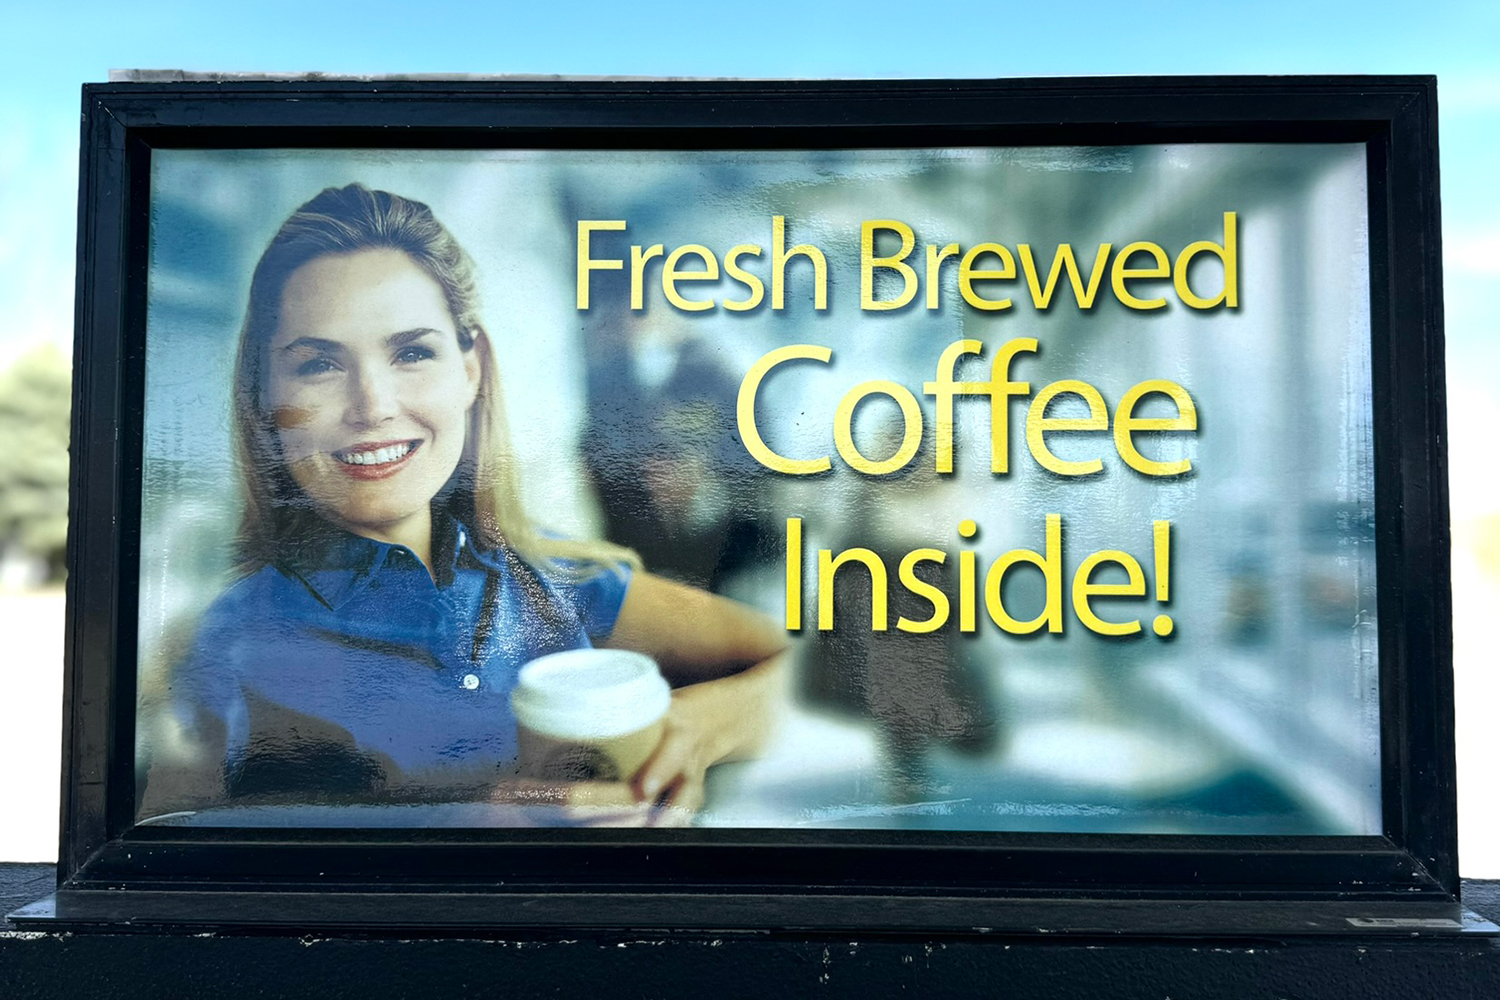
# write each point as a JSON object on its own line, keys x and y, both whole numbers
{"x": 352, "y": 670}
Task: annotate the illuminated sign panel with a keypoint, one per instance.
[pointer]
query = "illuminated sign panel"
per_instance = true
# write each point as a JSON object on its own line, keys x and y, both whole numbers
{"x": 1052, "y": 466}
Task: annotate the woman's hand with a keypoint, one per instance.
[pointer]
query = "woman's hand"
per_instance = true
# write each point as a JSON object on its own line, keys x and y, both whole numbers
{"x": 671, "y": 780}
{"x": 726, "y": 663}
{"x": 713, "y": 721}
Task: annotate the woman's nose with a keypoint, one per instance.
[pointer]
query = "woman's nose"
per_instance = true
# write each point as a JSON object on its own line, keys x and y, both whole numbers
{"x": 372, "y": 397}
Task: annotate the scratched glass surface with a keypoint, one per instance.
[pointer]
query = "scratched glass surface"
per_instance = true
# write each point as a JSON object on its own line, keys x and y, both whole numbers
{"x": 1257, "y": 712}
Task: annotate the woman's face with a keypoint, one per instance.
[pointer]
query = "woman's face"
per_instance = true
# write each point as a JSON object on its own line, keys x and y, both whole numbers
{"x": 370, "y": 391}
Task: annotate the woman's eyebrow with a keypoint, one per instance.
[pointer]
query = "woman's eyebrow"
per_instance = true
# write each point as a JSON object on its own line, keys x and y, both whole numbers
{"x": 314, "y": 343}
{"x": 407, "y": 336}
{"x": 326, "y": 346}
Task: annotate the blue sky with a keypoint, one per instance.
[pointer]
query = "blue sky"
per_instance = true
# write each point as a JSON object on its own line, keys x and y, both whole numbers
{"x": 60, "y": 41}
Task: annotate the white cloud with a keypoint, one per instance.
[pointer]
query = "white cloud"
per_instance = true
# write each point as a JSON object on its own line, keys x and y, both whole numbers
{"x": 1473, "y": 413}
{"x": 1472, "y": 253}
{"x": 1469, "y": 94}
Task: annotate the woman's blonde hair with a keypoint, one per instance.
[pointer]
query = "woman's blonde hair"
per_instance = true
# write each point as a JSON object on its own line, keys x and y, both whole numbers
{"x": 484, "y": 492}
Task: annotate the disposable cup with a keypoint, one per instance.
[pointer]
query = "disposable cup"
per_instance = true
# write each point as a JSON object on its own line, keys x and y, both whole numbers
{"x": 588, "y": 714}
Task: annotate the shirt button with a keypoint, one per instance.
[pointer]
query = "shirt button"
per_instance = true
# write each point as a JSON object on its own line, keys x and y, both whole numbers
{"x": 471, "y": 682}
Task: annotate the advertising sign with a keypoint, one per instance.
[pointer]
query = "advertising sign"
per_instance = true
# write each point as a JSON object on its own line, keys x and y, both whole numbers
{"x": 962, "y": 488}
{"x": 837, "y": 505}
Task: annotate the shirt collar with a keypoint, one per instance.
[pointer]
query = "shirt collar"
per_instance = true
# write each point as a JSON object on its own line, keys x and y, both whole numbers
{"x": 454, "y": 549}
{"x": 335, "y": 564}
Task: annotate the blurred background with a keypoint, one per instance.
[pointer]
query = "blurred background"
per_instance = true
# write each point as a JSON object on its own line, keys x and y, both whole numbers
{"x": 52, "y": 51}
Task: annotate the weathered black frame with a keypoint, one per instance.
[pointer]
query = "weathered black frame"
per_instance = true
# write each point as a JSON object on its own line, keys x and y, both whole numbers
{"x": 445, "y": 881}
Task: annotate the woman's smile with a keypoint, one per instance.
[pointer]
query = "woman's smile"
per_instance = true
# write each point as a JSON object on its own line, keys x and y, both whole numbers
{"x": 375, "y": 461}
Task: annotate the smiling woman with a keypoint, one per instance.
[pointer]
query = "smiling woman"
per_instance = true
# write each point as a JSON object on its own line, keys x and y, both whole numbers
{"x": 391, "y": 589}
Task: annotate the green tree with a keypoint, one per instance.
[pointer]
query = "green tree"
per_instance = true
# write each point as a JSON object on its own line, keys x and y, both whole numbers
{"x": 35, "y": 399}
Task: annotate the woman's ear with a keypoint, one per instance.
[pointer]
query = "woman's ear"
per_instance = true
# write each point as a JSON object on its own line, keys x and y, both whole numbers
{"x": 474, "y": 364}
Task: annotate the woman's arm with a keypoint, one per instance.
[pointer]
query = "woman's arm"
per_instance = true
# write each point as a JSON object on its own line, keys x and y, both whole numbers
{"x": 726, "y": 662}
{"x": 693, "y": 635}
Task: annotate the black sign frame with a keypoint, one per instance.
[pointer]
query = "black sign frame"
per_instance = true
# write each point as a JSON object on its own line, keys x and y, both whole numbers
{"x": 113, "y": 872}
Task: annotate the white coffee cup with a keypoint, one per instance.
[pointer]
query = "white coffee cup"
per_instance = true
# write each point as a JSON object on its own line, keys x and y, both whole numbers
{"x": 588, "y": 714}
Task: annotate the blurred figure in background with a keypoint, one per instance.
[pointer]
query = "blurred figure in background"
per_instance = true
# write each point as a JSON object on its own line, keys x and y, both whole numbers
{"x": 664, "y": 457}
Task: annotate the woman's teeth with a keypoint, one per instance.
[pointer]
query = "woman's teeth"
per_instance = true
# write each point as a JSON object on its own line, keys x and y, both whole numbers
{"x": 380, "y": 456}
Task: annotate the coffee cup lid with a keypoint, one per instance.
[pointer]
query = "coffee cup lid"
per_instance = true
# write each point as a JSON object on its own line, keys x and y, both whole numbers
{"x": 590, "y": 694}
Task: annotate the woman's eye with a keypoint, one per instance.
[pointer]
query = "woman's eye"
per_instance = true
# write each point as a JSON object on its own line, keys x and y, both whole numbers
{"x": 412, "y": 353}
{"x": 316, "y": 366}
